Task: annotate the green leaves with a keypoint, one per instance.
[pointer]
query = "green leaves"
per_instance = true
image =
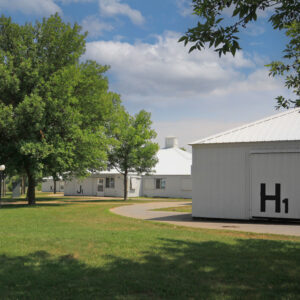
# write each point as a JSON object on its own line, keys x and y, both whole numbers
{"x": 290, "y": 67}
{"x": 55, "y": 112}
{"x": 209, "y": 30}
{"x": 133, "y": 148}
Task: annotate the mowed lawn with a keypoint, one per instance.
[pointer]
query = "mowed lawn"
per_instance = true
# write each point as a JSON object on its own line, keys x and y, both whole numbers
{"x": 80, "y": 250}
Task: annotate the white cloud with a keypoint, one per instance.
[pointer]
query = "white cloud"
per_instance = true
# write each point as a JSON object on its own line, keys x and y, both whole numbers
{"x": 254, "y": 29}
{"x": 94, "y": 26}
{"x": 75, "y": 1}
{"x": 180, "y": 88}
{"x": 31, "y": 7}
{"x": 185, "y": 7}
{"x": 165, "y": 71}
{"x": 112, "y": 8}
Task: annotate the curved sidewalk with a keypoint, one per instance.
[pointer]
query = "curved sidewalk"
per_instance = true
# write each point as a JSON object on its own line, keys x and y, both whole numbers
{"x": 145, "y": 212}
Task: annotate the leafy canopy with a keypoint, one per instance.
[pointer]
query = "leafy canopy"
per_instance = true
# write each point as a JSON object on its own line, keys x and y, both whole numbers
{"x": 54, "y": 111}
{"x": 133, "y": 149}
{"x": 213, "y": 30}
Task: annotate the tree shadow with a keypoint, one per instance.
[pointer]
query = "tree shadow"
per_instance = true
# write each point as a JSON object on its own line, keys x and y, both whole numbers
{"x": 21, "y": 205}
{"x": 248, "y": 269}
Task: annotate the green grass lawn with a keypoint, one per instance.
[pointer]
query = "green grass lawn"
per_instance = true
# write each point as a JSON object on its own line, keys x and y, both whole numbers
{"x": 80, "y": 250}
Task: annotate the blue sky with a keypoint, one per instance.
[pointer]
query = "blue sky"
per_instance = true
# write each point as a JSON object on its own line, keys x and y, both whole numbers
{"x": 189, "y": 95}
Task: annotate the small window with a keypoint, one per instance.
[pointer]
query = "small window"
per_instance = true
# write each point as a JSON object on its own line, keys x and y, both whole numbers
{"x": 61, "y": 187}
{"x": 160, "y": 183}
{"x": 110, "y": 182}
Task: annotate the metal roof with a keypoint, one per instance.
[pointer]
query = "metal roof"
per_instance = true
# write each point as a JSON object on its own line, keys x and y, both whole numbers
{"x": 173, "y": 161}
{"x": 284, "y": 126}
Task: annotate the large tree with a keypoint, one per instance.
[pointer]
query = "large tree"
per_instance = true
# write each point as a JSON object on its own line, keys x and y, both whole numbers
{"x": 133, "y": 149}
{"x": 213, "y": 30}
{"x": 54, "y": 110}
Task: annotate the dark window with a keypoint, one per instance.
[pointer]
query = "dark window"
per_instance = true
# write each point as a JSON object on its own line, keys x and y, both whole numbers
{"x": 110, "y": 182}
{"x": 160, "y": 183}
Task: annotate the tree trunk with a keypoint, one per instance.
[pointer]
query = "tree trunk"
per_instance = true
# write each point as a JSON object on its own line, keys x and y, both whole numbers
{"x": 4, "y": 187}
{"x": 54, "y": 186}
{"x": 23, "y": 189}
{"x": 31, "y": 190}
{"x": 125, "y": 185}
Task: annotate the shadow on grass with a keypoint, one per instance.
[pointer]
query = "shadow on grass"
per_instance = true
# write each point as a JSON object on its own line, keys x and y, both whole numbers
{"x": 248, "y": 269}
{"x": 63, "y": 200}
{"x": 21, "y": 205}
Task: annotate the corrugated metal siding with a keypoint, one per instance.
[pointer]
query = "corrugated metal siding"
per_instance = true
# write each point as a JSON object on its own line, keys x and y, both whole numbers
{"x": 221, "y": 178}
{"x": 173, "y": 189}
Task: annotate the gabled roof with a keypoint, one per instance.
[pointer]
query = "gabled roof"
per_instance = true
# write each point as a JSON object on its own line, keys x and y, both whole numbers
{"x": 173, "y": 161}
{"x": 280, "y": 127}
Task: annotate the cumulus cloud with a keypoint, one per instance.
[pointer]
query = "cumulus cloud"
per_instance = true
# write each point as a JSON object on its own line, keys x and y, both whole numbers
{"x": 166, "y": 70}
{"x": 31, "y": 7}
{"x": 172, "y": 84}
{"x": 75, "y": 1}
{"x": 254, "y": 29}
{"x": 112, "y": 8}
{"x": 185, "y": 7}
{"x": 94, "y": 26}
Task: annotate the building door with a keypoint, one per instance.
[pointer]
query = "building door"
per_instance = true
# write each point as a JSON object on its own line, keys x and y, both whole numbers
{"x": 100, "y": 187}
{"x": 275, "y": 185}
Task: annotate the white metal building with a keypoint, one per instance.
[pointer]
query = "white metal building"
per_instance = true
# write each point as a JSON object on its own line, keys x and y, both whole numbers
{"x": 172, "y": 174}
{"x": 104, "y": 184}
{"x": 48, "y": 185}
{"x": 171, "y": 177}
{"x": 249, "y": 172}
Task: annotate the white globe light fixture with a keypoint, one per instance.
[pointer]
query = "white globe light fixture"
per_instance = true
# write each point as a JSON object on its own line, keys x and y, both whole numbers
{"x": 2, "y": 168}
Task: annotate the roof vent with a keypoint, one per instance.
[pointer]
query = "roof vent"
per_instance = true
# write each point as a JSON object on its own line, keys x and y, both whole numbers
{"x": 171, "y": 142}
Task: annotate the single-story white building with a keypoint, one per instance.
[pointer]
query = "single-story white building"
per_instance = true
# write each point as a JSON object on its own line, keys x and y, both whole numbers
{"x": 249, "y": 172}
{"x": 48, "y": 185}
{"x": 171, "y": 176}
{"x": 104, "y": 184}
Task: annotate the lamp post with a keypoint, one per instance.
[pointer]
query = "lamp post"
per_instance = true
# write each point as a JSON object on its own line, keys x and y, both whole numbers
{"x": 2, "y": 168}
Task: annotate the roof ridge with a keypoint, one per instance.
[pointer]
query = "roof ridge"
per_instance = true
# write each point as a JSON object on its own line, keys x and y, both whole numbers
{"x": 242, "y": 127}
{"x": 181, "y": 152}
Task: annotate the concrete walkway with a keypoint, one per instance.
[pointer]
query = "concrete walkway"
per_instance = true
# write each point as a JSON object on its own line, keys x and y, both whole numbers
{"x": 145, "y": 212}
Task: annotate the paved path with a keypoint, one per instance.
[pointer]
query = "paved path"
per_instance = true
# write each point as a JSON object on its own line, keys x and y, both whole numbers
{"x": 145, "y": 212}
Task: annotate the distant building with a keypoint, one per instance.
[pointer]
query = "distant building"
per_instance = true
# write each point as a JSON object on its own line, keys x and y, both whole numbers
{"x": 172, "y": 174}
{"x": 48, "y": 185}
{"x": 104, "y": 184}
{"x": 171, "y": 177}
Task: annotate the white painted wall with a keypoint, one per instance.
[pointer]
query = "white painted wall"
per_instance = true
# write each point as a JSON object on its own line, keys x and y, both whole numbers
{"x": 48, "y": 186}
{"x": 177, "y": 186}
{"x": 221, "y": 175}
{"x": 89, "y": 186}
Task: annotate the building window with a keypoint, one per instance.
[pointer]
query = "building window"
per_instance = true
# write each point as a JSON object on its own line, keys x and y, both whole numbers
{"x": 110, "y": 182}
{"x": 160, "y": 183}
{"x": 100, "y": 185}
